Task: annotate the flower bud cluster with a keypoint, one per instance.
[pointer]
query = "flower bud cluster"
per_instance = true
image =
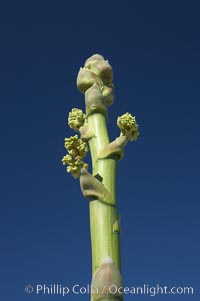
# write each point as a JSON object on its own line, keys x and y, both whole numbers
{"x": 128, "y": 126}
{"x": 77, "y": 150}
{"x": 76, "y": 119}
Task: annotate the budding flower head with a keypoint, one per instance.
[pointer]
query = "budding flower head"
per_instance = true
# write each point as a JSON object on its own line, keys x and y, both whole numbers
{"x": 74, "y": 165}
{"x": 97, "y": 71}
{"x": 101, "y": 67}
{"x": 67, "y": 160}
{"x": 128, "y": 126}
{"x": 76, "y": 119}
{"x": 77, "y": 150}
{"x": 76, "y": 146}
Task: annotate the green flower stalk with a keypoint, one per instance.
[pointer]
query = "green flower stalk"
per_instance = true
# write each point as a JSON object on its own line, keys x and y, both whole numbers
{"x": 99, "y": 187}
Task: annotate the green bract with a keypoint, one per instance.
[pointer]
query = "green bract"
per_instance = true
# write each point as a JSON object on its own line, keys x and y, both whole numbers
{"x": 98, "y": 73}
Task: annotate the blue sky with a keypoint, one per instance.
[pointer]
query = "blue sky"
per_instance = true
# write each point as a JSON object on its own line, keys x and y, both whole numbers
{"x": 154, "y": 49}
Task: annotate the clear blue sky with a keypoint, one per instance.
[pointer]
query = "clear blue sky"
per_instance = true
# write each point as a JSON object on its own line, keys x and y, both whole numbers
{"x": 154, "y": 49}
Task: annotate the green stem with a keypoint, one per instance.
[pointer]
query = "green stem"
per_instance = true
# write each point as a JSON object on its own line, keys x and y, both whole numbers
{"x": 95, "y": 81}
{"x": 100, "y": 139}
{"x": 104, "y": 240}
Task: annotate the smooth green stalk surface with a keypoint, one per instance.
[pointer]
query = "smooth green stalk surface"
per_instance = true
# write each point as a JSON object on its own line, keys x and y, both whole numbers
{"x": 103, "y": 216}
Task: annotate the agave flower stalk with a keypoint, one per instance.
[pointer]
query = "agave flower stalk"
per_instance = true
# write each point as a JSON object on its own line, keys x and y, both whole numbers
{"x": 95, "y": 80}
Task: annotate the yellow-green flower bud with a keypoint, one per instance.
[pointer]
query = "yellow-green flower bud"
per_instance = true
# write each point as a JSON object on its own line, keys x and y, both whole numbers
{"x": 74, "y": 171}
{"x": 67, "y": 160}
{"x": 128, "y": 126}
{"x": 75, "y": 167}
{"x": 76, "y": 119}
{"x": 76, "y": 146}
{"x": 77, "y": 150}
